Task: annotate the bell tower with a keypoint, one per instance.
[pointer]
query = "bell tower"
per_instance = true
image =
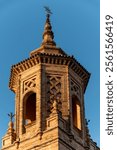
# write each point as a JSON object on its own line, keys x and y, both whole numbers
{"x": 49, "y": 102}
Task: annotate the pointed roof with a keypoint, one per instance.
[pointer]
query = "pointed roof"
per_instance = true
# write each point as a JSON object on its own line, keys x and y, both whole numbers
{"x": 48, "y": 44}
{"x": 48, "y": 35}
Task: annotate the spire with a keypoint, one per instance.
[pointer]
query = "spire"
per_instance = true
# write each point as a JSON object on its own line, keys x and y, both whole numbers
{"x": 48, "y": 44}
{"x": 48, "y": 34}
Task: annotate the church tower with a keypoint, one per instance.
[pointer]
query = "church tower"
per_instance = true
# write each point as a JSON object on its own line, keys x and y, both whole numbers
{"x": 49, "y": 102}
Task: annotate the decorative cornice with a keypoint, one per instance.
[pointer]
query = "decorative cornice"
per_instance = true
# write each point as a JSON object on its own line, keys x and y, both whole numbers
{"x": 45, "y": 58}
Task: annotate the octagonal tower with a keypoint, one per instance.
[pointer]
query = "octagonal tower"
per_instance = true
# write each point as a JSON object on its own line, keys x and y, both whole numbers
{"x": 49, "y": 102}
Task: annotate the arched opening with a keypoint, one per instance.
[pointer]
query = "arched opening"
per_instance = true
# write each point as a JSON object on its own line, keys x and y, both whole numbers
{"x": 76, "y": 112}
{"x": 30, "y": 108}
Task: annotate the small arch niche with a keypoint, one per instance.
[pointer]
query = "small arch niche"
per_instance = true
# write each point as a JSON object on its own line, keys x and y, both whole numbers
{"x": 76, "y": 112}
{"x": 29, "y": 108}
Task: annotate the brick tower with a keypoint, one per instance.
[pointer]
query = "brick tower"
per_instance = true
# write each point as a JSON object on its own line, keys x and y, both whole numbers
{"x": 49, "y": 103}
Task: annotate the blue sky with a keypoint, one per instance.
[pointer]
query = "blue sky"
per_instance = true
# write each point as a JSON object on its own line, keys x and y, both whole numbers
{"x": 76, "y": 29}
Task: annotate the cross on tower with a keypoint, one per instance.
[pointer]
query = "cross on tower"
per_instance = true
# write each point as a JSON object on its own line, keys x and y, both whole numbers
{"x": 11, "y": 116}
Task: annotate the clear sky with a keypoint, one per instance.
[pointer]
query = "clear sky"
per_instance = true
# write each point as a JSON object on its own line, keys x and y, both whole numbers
{"x": 76, "y": 28}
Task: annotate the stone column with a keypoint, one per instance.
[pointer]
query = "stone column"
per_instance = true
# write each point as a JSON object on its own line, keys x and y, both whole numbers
{"x": 38, "y": 106}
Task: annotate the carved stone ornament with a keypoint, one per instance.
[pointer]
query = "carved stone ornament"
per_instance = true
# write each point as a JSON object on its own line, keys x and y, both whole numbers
{"x": 54, "y": 93}
{"x": 30, "y": 83}
{"x": 75, "y": 89}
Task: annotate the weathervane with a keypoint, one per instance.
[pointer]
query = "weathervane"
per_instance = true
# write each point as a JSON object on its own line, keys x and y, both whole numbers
{"x": 11, "y": 116}
{"x": 48, "y": 11}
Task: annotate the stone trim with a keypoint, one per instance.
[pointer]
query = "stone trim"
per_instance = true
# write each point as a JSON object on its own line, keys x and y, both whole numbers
{"x": 48, "y": 59}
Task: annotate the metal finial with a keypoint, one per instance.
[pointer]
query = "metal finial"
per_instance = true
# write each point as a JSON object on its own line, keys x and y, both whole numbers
{"x": 48, "y": 11}
{"x": 11, "y": 116}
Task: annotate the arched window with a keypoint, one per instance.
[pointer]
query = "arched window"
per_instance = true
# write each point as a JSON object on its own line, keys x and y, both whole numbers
{"x": 30, "y": 108}
{"x": 76, "y": 112}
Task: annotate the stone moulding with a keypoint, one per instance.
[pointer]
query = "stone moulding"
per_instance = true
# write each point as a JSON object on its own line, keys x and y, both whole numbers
{"x": 43, "y": 58}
